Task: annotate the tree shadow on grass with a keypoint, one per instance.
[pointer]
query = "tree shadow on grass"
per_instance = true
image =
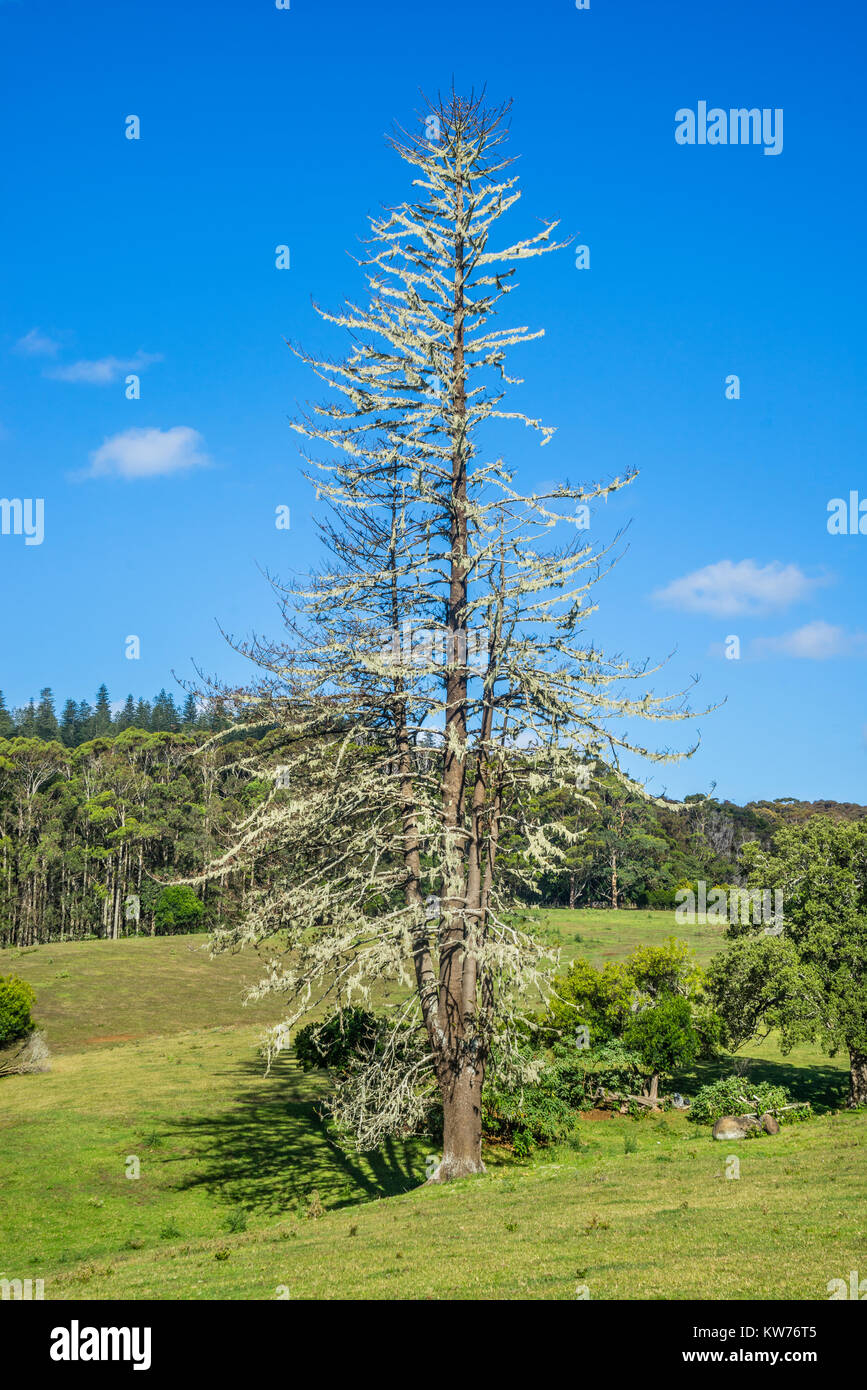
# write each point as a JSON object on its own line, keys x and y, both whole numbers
{"x": 272, "y": 1149}
{"x": 825, "y": 1087}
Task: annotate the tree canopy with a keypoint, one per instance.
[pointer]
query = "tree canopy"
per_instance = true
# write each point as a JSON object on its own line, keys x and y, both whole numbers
{"x": 810, "y": 980}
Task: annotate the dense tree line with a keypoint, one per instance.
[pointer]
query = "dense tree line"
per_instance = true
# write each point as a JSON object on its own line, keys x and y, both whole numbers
{"x": 89, "y": 835}
{"x": 621, "y": 850}
{"x": 97, "y": 814}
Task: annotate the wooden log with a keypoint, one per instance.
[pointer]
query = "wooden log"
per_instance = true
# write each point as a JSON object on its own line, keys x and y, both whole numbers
{"x": 616, "y": 1098}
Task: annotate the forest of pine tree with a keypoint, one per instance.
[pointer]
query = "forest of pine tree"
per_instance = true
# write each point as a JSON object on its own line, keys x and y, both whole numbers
{"x": 79, "y": 721}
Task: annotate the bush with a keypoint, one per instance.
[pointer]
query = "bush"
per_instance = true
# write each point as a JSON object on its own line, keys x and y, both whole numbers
{"x": 528, "y": 1118}
{"x": 663, "y": 1036}
{"x": 659, "y": 898}
{"x": 16, "y": 1002}
{"x": 177, "y": 909}
{"x": 332, "y": 1044}
{"x": 580, "y": 1072}
{"x": 735, "y": 1095}
{"x": 546, "y": 1111}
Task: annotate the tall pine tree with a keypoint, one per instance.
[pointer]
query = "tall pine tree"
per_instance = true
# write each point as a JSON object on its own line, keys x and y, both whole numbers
{"x": 126, "y": 716}
{"x": 102, "y": 712}
{"x": 7, "y": 725}
{"x": 143, "y": 714}
{"x": 446, "y": 609}
{"x": 165, "y": 717}
{"x": 69, "y": 724}
{"x": 46, "y": 719}
{"x": 190, "y": 712}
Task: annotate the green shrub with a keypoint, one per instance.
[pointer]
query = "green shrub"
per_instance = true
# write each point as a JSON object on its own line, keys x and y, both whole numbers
{"x": 663, "y": 1036}
{"x": 177, "y": 909}
{"x": 581, "y": 1071}
{"x": 536, "y": 1113}
{"x": 526, "y": 1119}
{"x": 658, "y": 898}
{"x": 16, "y": 1002}
{"x": 735, "y": 1095}
{"x": 332, "y": 1044}
{"x": 653, "y": 1003}
{"x": 802, "y": 1111}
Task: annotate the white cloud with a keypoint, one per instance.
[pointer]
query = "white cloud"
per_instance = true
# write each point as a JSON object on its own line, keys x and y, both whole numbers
{"x": 101, "y": 371}
{"x": 734, "y": 587}
{"x": 148, "y": 453}
{"x": 817, "y": 641}
{"x": 37, "y": 344}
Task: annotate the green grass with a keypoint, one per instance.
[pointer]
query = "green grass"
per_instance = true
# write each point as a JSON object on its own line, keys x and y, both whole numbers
{"x": 603, "y": 935}
{"x": 211, "y": 1134}
{"x": 92, "y": 993}
{"x": 232, "y": 1163}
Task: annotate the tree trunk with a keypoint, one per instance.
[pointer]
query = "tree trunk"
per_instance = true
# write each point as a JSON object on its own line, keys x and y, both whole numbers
{"x": 857, "y": 1077}
{"x": 454, "y": 1029}
{"x": 653, "y": 1090}
{"x": 462, "y": 1126}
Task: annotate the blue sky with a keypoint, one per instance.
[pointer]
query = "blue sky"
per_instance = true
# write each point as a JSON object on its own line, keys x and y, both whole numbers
{"x": 262, "y": 127}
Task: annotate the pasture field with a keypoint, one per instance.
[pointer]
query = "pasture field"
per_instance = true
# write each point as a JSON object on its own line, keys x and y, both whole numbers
{"x": 242, "y": 1192}
{"x": 603, "y": 935}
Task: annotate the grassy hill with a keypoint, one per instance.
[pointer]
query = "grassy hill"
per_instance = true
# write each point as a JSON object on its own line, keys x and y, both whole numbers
{"x": 243, "y": 1193}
